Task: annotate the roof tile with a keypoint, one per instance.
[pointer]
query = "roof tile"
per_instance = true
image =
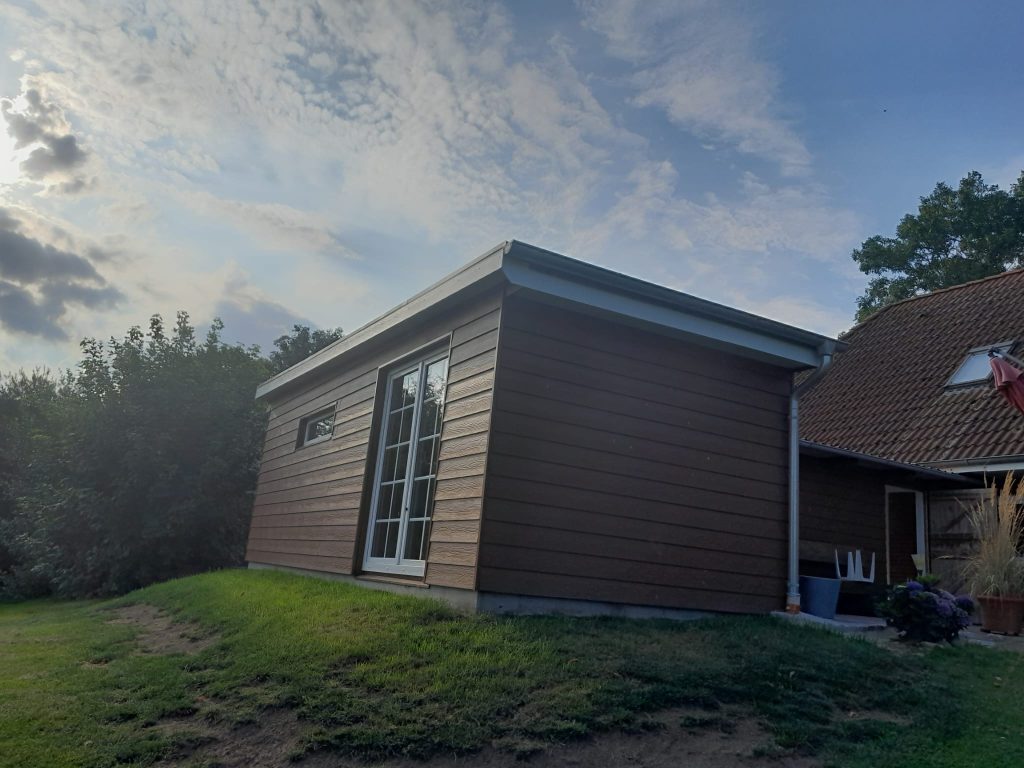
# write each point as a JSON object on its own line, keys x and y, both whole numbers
{"x": 886, "y": 394}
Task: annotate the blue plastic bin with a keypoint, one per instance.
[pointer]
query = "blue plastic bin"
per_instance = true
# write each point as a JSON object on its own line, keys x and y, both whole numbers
{"x": 819, "y": 596}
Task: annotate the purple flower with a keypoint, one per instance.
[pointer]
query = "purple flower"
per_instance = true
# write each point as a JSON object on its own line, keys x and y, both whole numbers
{"x": 927, "y": 597}
{"x": 944, "y": 608}
{"x": 965, "y": 603}
{"x": 945, "y": 595}
{"x": 914, "y": 586}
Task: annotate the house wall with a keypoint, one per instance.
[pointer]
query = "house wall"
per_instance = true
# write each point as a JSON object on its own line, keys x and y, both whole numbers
{"x": 628, "y": 467}
{"x": 842, "y": 507}
{"x": 311, "y": 502}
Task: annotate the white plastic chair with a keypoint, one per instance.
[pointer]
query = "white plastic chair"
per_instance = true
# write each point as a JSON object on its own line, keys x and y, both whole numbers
{"x": 855, "y": 567}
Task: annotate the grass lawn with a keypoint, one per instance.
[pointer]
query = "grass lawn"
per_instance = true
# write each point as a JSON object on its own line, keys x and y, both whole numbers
{"x": 374, "y": 675}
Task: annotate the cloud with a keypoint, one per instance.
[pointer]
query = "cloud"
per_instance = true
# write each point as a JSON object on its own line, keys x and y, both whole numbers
{"x": 27, "y": 260}
{"x": 698, "y": 62}
{"x": 59, "y": 154}
{"x": 30, "y": 126}
{"x": 55, "y": 152}
{"x": 796, "y": 310}
{"x": 252, "y": 317}
{"x": 270, "y": 224}
{"x": 40, "y": 282}
{"x": 397, "y": 139}
{"x": 761, "y": 220}
{"x": 404, "y": 115}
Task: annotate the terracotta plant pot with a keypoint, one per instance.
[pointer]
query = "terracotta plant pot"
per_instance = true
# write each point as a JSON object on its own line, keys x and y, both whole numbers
{"x": 1003, "y": 615}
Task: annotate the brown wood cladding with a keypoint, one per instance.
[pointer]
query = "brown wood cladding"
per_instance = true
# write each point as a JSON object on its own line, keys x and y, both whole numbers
{"x": 842, "y": 507}
{"x": 628, "y": 467}
{"x": 309, "y": 500}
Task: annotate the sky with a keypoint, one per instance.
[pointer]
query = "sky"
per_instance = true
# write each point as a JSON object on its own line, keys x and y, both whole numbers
{"x": 273, "y": 163}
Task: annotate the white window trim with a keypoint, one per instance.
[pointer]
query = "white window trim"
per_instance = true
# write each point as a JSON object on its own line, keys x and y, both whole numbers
{"x": 397, "y": 565}
{"x": 1002, "y": 346}
{"x": 314, "y": 417}
{"x": 922, "y": 534}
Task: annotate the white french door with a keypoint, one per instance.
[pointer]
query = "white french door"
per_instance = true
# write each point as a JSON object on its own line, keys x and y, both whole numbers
{"x": 403, "y": 490}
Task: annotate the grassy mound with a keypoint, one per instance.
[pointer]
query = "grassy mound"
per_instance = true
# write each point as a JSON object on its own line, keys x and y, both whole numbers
{"x": 373, "y": 675}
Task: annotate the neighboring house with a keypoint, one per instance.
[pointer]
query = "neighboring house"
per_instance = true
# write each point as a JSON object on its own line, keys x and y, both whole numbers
{"x": 914, "y": 385}
{"x": 537, "y": 433}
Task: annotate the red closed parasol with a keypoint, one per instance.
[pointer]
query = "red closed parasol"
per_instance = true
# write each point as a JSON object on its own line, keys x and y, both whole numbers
{"x": 1008, "y": 380}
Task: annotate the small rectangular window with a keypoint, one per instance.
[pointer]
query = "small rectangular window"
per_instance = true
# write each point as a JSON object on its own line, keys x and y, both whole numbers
{"x": 975, "y": 367}
{"x": 316, "y": 428}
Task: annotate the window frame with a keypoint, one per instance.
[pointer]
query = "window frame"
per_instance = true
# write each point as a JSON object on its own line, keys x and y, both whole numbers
{"x": 1002, "y": 346}
{"x": 305, "y": 422}
{"x": 398, "y": 565}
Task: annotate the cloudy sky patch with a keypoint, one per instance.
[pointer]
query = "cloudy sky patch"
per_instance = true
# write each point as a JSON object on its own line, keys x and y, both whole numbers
{"x": 282, "y": 162}
{"x": 39, "y": 282}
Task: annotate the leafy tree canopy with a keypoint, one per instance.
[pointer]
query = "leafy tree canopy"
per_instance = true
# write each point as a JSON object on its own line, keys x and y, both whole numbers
{"x": 138, "y": 465}
{"x": 302, "y": 342}
{"x": 957, "y": 235}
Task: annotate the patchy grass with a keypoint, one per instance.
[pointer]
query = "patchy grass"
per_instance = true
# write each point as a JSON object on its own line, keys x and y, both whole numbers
{"x": 72, "y": 693}
{"x": 373, "y": 675}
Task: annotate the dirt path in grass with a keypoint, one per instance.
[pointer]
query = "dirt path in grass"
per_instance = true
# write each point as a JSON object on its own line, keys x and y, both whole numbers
{"x": 715, "y": 742}
{"x": 676, "y": 737}
{"x": 159, "y": 633}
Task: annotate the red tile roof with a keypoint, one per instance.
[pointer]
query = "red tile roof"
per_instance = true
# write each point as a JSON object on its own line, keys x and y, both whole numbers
{"x": 886, "y": 394}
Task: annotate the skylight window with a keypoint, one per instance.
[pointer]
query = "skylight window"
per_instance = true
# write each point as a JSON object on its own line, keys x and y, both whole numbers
{"x": 975, "y": 367}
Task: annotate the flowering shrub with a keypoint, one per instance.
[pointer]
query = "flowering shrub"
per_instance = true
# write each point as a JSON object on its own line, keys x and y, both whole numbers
{"x": 921, "y": 612}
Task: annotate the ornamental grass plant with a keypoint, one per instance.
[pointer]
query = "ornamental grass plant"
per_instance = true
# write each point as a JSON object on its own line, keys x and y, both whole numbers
{"x": 995, "y": 567}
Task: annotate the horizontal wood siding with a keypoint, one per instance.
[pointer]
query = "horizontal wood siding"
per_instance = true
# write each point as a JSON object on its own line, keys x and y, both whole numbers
{"x": 629, "y": 467}
{"x": 462, "y": 460}
{"x": 842, "y": 507}
{"x": 310, "y": 507}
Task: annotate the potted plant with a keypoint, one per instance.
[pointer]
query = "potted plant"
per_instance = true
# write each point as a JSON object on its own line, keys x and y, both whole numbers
{"x": 994, "y": 570}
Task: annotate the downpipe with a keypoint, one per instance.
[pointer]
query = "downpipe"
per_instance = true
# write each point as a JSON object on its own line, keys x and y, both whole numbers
{"x": 793, "y": 580}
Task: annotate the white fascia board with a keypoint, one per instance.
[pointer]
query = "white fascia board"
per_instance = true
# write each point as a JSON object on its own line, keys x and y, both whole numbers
{"x": 701, "y": 329}
{"x": 594, "y": 289}
{"x": 476, "y": 271}
{"x": 992, "y": 468}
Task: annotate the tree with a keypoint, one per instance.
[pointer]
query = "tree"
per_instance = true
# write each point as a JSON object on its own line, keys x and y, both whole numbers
{"x": 137, "y": 467}
{"x": 302, "y": 342}
{"x": 957, "y": 235}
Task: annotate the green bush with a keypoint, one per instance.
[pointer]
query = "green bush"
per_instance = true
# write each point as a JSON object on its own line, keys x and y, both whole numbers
{"x": 137, "y": 467}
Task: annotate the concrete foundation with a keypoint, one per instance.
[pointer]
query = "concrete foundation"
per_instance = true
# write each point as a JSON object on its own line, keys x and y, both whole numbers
{"x": 490, "y": 602}
{"x": 461, "y": 599}
{"x": 471, "y": 601}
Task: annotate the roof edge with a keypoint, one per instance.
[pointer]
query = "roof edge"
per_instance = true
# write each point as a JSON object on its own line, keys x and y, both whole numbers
{"x": 918, "y": 469}
{"x": 936, "y": 292}
{"x": 483, "y": 266}
{"x": 577, "y": 271}
{"x": 580, "y": 282}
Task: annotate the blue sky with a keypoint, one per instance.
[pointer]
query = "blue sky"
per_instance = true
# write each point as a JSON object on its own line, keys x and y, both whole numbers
{"x": 273, "y": 163}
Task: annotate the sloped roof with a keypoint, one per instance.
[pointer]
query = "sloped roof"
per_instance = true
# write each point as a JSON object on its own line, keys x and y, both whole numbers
{"x": 588, "y": 287}
{"x": 886, "y": 394}
{"x": 931, "y": 478}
